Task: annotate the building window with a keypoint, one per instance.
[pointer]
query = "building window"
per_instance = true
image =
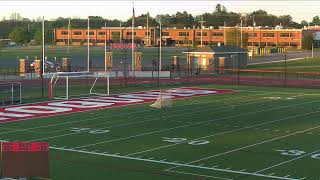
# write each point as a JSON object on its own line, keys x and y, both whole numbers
{"x": 165, "y": 33}
{"x": 217, "y": 34}
{"x": 77, "y": 33}
{"x": 183, "y": 33}
{"x": 252, "y": 35}
{"x": 101, "y": 33}
{"x": 268, "y": 34}
{"x": 282, "y": 44}
{"x": 64, "y": 32}
{"x": 203, "y": 33}
{"x": 285, "y": 34}
{"x": 130, "y": 33}
{"x": 90, "y": 33}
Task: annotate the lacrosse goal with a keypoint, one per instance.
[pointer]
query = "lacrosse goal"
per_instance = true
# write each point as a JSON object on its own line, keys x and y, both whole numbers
{"x": 10, "y": 93}
{"x": 164, "y": 99}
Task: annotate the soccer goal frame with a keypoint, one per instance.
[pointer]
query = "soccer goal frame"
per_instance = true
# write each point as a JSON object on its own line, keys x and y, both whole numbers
{"x": 68, "y": 75}
{"x": 14, "y": 98}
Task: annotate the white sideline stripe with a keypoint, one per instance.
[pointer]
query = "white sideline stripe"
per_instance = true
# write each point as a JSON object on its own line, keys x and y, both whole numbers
{"x": 277, "y": 61}
{"x": 252, "y": 145}
{"x": 135, "y": 112}
{"x": 192, "y": 124}
{"x": 202, "y": 175}
{"x": 288, "y": 93}
{"x": 225, "y": 132}
{"x": 285, "y": 162}
{"x": 153, "y": 119}
{"x": 173, "y": 163}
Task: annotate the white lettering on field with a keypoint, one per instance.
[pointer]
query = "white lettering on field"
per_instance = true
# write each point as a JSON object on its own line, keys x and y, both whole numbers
{"x": 38, "y": 109}
{"x": 80, "y": 104}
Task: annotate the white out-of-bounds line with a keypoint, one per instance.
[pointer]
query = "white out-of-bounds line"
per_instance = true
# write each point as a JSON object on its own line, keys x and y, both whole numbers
{"x": 129, "y": 113}
{"x": 226, "y": 132}
{"x": 277, "y": 61}
{"x": 153, "y": 119}
{"x": 197, "y": 123}
{"x": 285, "y": 162}
{"x": 202, "y": 175}
{"x": 279, "y": 92}
{"x": 252, "y": 145}
{"x": 171, "y": 163}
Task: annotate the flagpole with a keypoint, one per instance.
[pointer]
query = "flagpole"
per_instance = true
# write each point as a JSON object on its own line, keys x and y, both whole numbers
{"x": 132, "y": 43}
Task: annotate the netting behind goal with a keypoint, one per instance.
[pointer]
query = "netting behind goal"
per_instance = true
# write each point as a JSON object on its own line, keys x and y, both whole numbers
{"x": 164, "y": 99}
{"x": 66, "y": 86}
{"x": 10, "y": 93}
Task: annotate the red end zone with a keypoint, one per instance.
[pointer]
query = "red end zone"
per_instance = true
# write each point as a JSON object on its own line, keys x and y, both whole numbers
{"x": 54, "y": 108}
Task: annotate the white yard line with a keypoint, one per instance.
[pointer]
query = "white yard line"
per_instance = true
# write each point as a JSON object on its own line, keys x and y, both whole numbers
{"x": 225, "y": 132}
{"x": 277, "y": 61}
{"x": 285, "y": 162}
{"x": 173, "y": 163}
{"x": 202, "y": 175}
{"x": 123, "y": 114}
{"x": 153, "y": 119}
{"x": 192, "y": 124}
{"x": 252, "y": 145}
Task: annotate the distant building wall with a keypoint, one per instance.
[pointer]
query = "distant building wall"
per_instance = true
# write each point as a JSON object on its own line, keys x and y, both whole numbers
{"x": 257, "y": 37}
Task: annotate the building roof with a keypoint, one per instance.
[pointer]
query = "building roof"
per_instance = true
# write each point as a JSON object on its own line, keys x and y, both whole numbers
{"x": 218, "y": 50}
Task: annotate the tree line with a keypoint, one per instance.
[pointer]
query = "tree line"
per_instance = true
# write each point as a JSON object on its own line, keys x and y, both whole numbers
{"x": 23, "y": 30}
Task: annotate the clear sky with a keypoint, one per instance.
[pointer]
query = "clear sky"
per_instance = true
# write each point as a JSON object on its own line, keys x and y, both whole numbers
{"x": 299, "y": 10}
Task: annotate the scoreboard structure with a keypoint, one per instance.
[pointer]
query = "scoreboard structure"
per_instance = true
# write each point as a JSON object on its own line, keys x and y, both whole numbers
{"x": 25, "y": 160}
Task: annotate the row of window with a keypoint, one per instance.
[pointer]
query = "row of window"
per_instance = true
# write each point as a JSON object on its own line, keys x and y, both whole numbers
{"x": 271, "y": 35}
{"x": 79, "y": 33}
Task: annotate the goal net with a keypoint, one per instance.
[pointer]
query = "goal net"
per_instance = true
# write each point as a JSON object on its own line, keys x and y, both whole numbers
{"x": 10, "y": 93}
{"x": 69, "y": 85}
{"x": 164, "y": 99}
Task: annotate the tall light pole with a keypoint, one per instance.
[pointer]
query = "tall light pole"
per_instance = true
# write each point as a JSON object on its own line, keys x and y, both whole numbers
{"x": 160, "y": 42}
{"x": 68, "y": 37}
{"x": 241, "y": 35}
{"x": 201, "y": 23}
{"x": 105, "y": 47}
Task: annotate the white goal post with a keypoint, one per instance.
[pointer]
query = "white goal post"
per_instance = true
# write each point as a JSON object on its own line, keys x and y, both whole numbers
{"x": 164, "y": 99}
{"x": 10, "y": 93}
{"x": 64, "y": 81}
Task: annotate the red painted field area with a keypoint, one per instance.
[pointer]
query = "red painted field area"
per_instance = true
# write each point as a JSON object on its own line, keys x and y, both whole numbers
{"x": 54, "y": 108}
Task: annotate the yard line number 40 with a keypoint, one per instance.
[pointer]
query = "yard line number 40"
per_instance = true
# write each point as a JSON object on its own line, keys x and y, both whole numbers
{"x": 185, "y": 140}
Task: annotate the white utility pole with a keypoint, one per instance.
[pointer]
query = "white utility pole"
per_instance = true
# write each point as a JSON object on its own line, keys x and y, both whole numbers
{"x": 43, "y": 53}
{"x": 160, "y": 45}
{"x": 88, "y": 46}
{"x": 68, "y": 36}
{"x": 201, "y": 23}
{"x": 105, "y": 47}
{"x": 132, "y": 34}
{"x": 241, "y": 35}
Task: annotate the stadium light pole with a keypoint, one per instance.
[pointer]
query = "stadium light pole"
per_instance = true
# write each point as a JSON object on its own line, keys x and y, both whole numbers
{"x": 160, "y": 42}
{"x": 201, "y": 23}
{"x": 105, "y": 48}
{"x": 88, "y": 45}
{"x": 43, "y": 57}
{"x": 68, "y": 37}
{"x": 132, "y": 38}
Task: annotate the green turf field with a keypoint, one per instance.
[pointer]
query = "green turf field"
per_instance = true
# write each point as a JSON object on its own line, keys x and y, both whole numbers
{"x": 303, "y": 65}
{"x": 253, "y": 134}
